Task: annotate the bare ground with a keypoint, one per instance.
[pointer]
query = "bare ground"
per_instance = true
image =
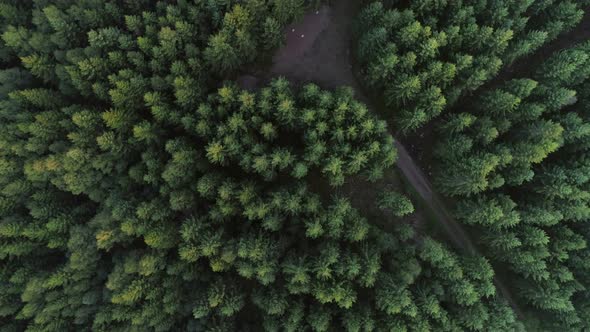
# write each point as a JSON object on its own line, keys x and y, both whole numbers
{"x": 325, "y": 56}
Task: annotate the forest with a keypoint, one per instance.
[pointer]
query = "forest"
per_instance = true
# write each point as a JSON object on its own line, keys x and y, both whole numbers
{"x": 145, "y": 187}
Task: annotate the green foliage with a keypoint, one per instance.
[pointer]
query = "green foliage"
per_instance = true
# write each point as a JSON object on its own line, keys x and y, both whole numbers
{"x": 123, "y": 203}
{"x": 422, "y": 58}
{"x": 530, "y": 203}
{"x": 399, "y": 204}
{"x": 138, "y": 193}
{"x": 339, "y": 136}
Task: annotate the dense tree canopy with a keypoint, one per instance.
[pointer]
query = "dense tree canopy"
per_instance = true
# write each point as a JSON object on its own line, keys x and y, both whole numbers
{"x": 517, "y": 163}
{"x": 142, "y": 190}
{"x": 138, "y": 195}
{"x": 330, "y": 131}
{"x": 514, "y": 157}
{"x": 422, "y": 57}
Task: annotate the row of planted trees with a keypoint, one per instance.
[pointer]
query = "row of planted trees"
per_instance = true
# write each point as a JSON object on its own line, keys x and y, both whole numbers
{"x": 423, "y": 56}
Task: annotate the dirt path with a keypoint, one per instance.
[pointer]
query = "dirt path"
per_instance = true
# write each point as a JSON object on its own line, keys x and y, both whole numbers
{"x": 323, "y": 54}
{"x": 318, "y": 50}
{"x": 453, "y": 229}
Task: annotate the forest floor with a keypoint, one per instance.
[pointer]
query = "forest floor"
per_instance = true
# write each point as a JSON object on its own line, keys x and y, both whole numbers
{"x": 318, "y": 50}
